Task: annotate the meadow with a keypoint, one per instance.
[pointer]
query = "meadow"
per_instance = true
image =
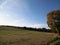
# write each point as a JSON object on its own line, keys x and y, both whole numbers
{"x": 15, "y": 36}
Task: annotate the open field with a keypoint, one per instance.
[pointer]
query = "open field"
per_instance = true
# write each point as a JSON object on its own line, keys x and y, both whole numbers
{"x": 14, "y": 36}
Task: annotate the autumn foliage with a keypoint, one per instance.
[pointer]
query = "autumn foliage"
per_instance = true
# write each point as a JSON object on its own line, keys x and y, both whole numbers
{"x": 53, "y": 20}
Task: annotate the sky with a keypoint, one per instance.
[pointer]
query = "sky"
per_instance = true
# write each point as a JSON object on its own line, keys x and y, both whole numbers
{"x": 29, "y": 13}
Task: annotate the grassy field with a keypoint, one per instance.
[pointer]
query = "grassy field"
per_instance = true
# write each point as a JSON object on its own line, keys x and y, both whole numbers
{"x": 15, "y": 36}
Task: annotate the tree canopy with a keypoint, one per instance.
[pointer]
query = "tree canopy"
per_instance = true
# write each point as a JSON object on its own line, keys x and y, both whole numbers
{"x": 53, "y": 20}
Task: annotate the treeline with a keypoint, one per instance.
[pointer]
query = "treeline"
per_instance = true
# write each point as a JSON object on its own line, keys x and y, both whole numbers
{"x": 37, "y": 29}
{"x": 30, "y": 28}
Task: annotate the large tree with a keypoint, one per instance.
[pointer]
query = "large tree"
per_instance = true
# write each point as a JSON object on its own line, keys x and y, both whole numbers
{"x": 53, "y": 20}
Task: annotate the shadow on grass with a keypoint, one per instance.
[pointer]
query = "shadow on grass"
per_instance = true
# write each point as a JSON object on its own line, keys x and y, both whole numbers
{"x": 55, "y": 41}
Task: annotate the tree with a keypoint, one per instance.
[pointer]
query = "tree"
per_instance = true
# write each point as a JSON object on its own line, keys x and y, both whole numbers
{"x": 53, "y": 20}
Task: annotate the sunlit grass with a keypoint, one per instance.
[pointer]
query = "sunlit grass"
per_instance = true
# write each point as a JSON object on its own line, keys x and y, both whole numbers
{"x": 14, "y": 36}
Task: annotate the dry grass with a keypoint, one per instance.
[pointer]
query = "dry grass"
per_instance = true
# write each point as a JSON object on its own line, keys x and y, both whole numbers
{"x": 24, "y": 37}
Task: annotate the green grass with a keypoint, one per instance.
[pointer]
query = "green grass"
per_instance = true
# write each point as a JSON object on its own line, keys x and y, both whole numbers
{"x": 15, "y": 36}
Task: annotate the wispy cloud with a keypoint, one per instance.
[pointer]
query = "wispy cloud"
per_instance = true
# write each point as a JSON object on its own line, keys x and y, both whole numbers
{"x": 8, "y": 4}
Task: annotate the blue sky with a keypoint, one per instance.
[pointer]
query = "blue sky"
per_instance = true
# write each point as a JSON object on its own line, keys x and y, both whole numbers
{"x": 30, "y": 13}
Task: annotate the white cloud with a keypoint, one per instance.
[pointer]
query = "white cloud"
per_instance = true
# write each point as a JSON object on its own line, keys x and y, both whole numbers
{"x": 39, "y": 26}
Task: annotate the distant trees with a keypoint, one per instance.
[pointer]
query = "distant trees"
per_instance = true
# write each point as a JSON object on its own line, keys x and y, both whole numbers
{"x": 28, "y": 28}
{"x": 53, "y": 21}
{"x": 37, "y": 29}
